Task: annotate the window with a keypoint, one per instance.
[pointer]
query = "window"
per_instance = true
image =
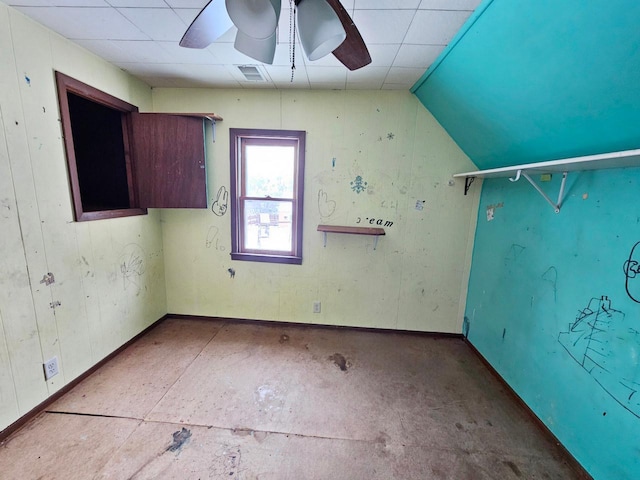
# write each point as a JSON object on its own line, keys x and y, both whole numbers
{"x": 96, "y": 129}
{"x": 121, "y": 162}
{"x": 267, "y": 177}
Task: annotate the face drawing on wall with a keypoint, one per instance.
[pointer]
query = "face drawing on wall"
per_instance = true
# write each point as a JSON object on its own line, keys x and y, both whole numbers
{"x": 631, "y": 270}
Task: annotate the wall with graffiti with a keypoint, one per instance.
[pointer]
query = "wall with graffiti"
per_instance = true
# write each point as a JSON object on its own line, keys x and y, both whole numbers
{"x": 74, "y": 291}
{"x": 373, "y": 159}
{"x": 553, "y": 305}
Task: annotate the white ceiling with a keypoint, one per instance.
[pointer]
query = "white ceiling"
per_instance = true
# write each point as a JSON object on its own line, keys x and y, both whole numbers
{"x": 141, "y": 36}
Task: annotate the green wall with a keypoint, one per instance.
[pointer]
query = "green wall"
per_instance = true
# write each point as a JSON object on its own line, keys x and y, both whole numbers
{"x": 91, "y": 308}
{"x": 415, "y": 280}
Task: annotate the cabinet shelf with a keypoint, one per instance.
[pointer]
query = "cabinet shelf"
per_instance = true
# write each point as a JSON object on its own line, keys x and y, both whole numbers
{"x": 622, "y": 159}
{"x": 375, "y": 231}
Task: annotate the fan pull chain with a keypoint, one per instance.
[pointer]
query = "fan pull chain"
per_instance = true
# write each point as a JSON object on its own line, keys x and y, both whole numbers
{"x": 292, "y": 37}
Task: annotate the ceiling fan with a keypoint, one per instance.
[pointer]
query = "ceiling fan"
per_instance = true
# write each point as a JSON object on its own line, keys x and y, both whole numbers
{"x": 324, "y": 27}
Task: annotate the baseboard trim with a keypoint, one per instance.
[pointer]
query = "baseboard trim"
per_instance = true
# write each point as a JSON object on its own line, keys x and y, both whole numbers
{"x": 577, "y": 468}
{"x": 38, "y": 409}
{"x": 317, "y": 325}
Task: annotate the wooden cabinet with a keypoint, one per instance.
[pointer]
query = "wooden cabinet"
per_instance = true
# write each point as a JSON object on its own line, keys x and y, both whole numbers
{"x": 121, "y": 162}
{"x": 169, "y": 160}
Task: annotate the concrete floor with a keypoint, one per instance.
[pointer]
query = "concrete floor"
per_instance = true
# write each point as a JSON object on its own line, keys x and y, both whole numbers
{"x": 199, "y": 399}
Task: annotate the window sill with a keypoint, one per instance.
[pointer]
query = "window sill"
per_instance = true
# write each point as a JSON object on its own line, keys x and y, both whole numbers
{"x": 104, "y": 214}
{"x": 267, "y": 258}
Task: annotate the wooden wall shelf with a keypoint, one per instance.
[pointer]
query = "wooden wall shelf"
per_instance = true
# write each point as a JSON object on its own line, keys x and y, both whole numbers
{"x": 376, "y": 231}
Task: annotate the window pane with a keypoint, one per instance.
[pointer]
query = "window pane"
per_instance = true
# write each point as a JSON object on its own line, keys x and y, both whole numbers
{"x": 267, "y": 225}
{"x": 269, "y": 171}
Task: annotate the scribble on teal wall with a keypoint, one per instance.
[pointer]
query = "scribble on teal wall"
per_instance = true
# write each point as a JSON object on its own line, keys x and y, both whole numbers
{"x": 631, "y": 271}
{"x": 602, "y": 343}
{"x": 358, "y": 185}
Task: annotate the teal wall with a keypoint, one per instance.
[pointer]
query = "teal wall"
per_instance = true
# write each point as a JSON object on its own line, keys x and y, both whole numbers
{"x": 530, "y": 310}
{"x": 552, "y": 302}
{"x": 534, "y": 80}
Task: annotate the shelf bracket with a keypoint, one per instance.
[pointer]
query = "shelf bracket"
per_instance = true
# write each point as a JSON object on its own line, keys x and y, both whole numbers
{"x": 213, "y": 128}
{"x": 375, "y": 240}
{"x": 467, "y": 183}
{"x": 556, "y": 205}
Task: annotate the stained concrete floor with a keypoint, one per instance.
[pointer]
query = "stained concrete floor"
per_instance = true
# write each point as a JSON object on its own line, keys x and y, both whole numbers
{"x": 201, "y": 399}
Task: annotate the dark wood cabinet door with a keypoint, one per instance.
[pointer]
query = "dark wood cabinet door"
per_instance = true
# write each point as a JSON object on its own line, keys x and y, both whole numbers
{"x": 169, "y": 160}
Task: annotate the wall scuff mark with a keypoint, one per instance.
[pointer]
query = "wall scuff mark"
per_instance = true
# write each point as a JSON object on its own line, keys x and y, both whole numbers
{"x": 48, "y": 279}
{"x": 179, "y": 439}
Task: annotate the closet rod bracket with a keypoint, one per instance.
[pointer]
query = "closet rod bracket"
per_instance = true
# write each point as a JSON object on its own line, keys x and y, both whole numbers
{"x": 556, "y": 205}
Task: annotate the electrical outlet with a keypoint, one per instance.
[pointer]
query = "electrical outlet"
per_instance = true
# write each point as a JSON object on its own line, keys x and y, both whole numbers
{"x": 316, "y": 307}
{"x": 51, "y": 368}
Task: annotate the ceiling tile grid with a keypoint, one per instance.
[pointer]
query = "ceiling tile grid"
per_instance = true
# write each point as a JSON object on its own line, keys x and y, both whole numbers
{"x": 141, "y": 36}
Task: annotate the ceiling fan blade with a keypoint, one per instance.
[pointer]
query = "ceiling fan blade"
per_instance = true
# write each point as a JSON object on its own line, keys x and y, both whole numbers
{"x": 212, "y": 21}
{"x": 353, "y": 52}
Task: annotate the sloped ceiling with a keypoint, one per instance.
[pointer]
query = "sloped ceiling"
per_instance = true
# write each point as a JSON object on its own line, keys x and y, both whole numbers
{"x": 535, "y": 80}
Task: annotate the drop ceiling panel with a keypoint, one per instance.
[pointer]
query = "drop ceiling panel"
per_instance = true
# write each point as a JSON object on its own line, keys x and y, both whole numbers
{"x": 139, "y": 3}
{"x": 86, "y": 23}
{"x": 383, "y": 55}
{"x": 387, "y": 4}
{"x": 408, "y": 76}
{"x": 449, "y": 4}
{"x": 336, "y": 75}
{"x": 383, "y": 26}
{"x": 143, "y": 51}
{"x": 281, "y": 76}
{"x": 177, "y": 54}
{"x": 60, "y": 3}
{"x": 156, "y": 23}
{"x": 198, "y": 4}
{"x": 417, "y": 56}
{"x": 435, "y": 27}
{"x": 374, "y": 76}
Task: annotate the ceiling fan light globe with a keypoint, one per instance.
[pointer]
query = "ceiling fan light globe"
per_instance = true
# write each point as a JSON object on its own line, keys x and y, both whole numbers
{"x": 319, "y": 28}
{"x": 256, "y": 18}
{"x": 261, "y": 49}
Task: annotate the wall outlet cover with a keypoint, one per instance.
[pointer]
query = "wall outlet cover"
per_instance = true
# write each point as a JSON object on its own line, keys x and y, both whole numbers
{"x": 51, "y": 368}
